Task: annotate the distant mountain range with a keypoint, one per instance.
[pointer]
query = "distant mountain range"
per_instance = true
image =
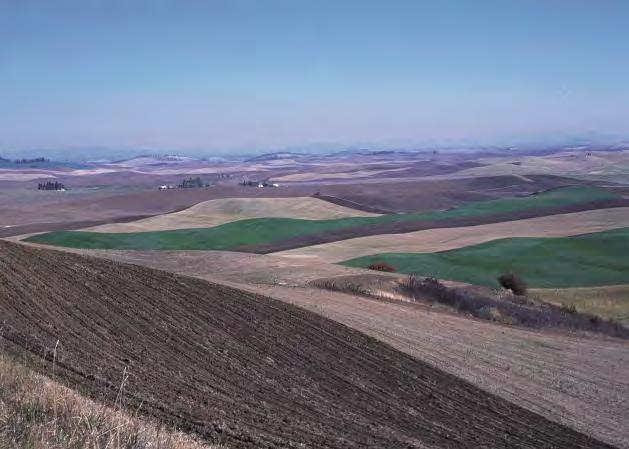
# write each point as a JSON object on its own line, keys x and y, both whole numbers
{"x": 37, "y": 162}
{"x": 74, "y": 158}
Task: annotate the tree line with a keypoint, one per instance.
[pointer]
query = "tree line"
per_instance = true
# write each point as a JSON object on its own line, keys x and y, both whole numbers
{"x": 51, "y": 186}
{"x": 192, "y": 183}
{"x": 30, "y": 161}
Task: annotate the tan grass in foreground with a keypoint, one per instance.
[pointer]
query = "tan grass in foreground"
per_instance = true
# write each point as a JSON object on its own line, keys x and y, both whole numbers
{"x": 37, "y": 412}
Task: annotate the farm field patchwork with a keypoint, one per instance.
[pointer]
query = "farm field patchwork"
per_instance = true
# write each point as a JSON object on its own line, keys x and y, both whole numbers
{"x": 225, "y": 210}
{"x": 580, "y": 261}
{"x": 604, "y": 165}
{"x": 268, "y": 231}
{"x": 444, "y": 239}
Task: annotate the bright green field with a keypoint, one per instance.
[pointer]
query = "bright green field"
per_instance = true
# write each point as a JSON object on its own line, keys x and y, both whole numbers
{"x": 581, "y": 261}
{"x": 268, "y": 230}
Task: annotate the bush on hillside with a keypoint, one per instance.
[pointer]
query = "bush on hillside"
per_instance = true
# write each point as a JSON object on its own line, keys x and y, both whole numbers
{"x": 382, "y": 266}
{"x": 513, "y": 282}
{"x": 516, "y": 310}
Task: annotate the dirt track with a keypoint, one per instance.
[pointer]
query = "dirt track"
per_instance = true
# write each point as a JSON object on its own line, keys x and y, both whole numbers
{"x": 243, "y": 369}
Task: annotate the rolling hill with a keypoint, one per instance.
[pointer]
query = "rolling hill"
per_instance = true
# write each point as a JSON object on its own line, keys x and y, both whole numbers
{"x": 579, "y": 261}
{"x": 242, "y": 369}
{"x": 227, "y": 210}
{"x": 265, "y": 235}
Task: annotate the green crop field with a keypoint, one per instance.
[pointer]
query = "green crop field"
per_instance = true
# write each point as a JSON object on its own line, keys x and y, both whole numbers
{"x": 268, "y": 230}
{"x": 580, "y": 261}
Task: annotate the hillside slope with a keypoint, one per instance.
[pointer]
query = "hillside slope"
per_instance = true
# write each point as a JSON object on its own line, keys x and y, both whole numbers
{"x": 587, "y": 260}
{"x": 444, "y": 239}
{"x": 242, "y": 369}
{"x": 226, "y": 210}
{"x": 263, "y": 235}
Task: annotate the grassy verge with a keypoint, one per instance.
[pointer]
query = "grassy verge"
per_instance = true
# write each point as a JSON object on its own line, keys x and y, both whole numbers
{"x": 611, "y": 302}
{"x": 37, "y": 412}
{"x": 262, "y": 231}
{"x": 580, "y": 261}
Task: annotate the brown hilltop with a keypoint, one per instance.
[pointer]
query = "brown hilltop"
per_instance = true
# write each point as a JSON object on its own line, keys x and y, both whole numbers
{"x": 242, "y": 369}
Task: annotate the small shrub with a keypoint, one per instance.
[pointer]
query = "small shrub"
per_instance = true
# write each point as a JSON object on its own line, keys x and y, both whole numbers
{"x": 382, "y": 266}
{"x": 413, "y": 285}
{"x": 513, "y": 282}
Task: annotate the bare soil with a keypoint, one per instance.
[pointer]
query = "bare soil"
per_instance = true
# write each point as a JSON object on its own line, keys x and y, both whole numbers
{"x": 577, "y": 381}
{"x": 242, "y": 369}
{"x": 420, "y": 195}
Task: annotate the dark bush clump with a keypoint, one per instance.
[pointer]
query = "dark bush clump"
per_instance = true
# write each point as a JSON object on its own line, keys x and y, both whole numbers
{"x": 518, "y": 311}
{"x": 513, "y": 282}
{"x": 382, "y": 266}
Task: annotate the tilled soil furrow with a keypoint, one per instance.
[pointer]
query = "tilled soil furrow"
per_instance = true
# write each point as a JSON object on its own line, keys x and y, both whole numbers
{"x": 243, "y": 369}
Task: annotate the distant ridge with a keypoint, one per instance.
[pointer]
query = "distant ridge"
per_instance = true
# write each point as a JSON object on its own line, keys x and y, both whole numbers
{"x": 275, "y": 156}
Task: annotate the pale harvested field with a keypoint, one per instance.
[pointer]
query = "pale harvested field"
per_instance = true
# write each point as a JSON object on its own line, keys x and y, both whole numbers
{"x": 569, "y": 163}
{"x": 577, "y": 381}
{"x": 215, "y": 212}
{"x": 11, "y": 176}
{"x": 434, "y": 240}
{"x": 249, "y": 268}
{"x": 608, "y": 301}
{"x": 312, "y": 176}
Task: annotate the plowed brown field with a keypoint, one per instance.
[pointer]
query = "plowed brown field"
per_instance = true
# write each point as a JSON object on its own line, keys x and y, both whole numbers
{"x": 580, "y": 381}
{"x": 244, "y": 369}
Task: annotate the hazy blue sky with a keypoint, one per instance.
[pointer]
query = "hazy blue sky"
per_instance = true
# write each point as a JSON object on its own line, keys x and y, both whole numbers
{"x": 265, "y": 74}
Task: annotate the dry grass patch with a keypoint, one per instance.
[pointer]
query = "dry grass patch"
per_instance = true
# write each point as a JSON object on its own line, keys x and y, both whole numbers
{"x": 611, "y": 302}
{"x": 37, "y": 412}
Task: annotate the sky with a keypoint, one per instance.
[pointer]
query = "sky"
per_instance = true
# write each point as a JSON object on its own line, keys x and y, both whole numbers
{"x": 221, "y": 76}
